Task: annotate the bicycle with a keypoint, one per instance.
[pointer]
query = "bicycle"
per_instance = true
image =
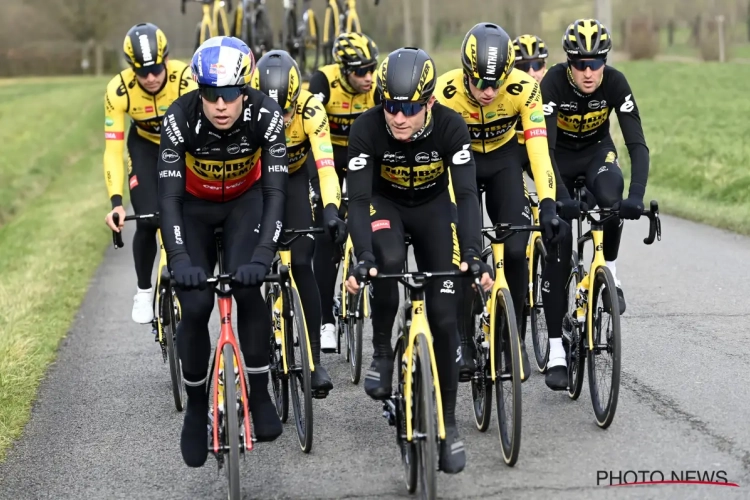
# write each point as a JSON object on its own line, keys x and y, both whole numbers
{"x": 215, "y": 21}
{"x": 580, "y": 321}
{"x": 290, "y": 332}
{"x": 299, "y": 37}
{"x": 339, "y": 13}
{"x": 496, "y": 331}
{"x": 167, "y": 312}
{"x": 416, "y": 408}
{"x": 251, "y": 25}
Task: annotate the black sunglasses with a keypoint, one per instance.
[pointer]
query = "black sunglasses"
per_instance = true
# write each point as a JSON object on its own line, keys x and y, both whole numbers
{"x": 144, "y": 71}
{"x": 229, "y": 94}
{"x": 528, "y": 65}
{"x": 482, "y": 84}
{"x": 582, "y": 64}
{"x": 407, "y": 108}
{"x": 363, "y": 71}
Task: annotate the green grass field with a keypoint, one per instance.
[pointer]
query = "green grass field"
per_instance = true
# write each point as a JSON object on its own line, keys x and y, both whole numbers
{"x": 53, "y": 200}
{"x": 52, "y": 236}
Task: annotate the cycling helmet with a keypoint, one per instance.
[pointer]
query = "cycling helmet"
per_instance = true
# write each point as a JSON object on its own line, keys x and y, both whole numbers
{"x": 354, "y": 50}
{"x": 530, "y": 47}
{"x": 587, "y": 38}
{"x": 487, "y": 54}
{"x": 407, "y": 74}
{"x": 278, "y": 77}
{"x": 145, "y": 45}
{"x": 223, "y": 61}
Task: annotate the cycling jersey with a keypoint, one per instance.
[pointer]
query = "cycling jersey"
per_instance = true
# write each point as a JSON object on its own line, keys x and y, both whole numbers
{"x": 492, "y": 126}
{"x": 576, "y": 121}
{"x": 519, "y": 125}
{"x": 412, "y": 173}
{"x": 308, "y": 131}
{"x": 222, "y": 165}
{"x": 124, "y": 96}
{"x": 343, "y": 104}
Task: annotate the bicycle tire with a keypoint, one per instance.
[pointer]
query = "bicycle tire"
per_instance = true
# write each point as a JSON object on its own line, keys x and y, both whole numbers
{"x": 299, "y": 373}
{"x": 288, "y": 34}
{"x": 262, "y": 35}
{"x": 408, "y": 450}
{"x": 539, "y": 333}
{"x": 169, "y": 331}
{"x": 575, "y": 350}
{"x": 425, "y": 415}
{"x": 603, "y": 280}
{"x": 279, "y": 382}
{"x": 231, "y": 424}
{"x": 310, "y": 42}
{"x": 508, "y": 341}
{"x": 481, "y": 383}
{"x": 355, "y": 328}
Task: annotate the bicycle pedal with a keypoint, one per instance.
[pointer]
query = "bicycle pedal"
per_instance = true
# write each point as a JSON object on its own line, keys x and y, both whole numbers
{"x": 319, "y": 394}
{"x": 465, "y": 377}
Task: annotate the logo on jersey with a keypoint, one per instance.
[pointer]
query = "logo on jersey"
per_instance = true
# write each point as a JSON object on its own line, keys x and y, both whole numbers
{"x": 358, "y": 162}
{"x": 628, "y": 105}
{"x": 597, "y": 104}
{"x": 233, "y": 149}
{"x": 422, "y": 158}
{"x": 462, "y": 156}
{"x": 109, "y": 121}
{"x": 169, "y": 156}
{"x": 278, "y": 150}
{"x": 325, "y": 148}
{"x": 536, "y": 117}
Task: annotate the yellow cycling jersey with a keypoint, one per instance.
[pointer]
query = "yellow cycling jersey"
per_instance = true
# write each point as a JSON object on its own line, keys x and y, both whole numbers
{"x": 307, "y": 131}
{"x": 519, "y": 126}
{"x": 124, "y": 96}
{"x": 342, "y": 103}
{"x": 492, "y": 126}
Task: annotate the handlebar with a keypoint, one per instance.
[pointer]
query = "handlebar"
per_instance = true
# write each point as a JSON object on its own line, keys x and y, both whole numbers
{"x": 420, "y": 278}
{"x": 296, "y": 233}
{"x": 225, "y": 279}
{"x": 654, "y": 227}
{"x": 509, "y": 230}
{"x": 117, "y": 236}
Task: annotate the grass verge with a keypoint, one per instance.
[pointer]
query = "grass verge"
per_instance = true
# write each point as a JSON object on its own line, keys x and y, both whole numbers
{"x": 55, "y": 238}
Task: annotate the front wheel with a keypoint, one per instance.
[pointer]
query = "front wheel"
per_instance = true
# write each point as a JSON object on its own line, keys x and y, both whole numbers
{"x": 481, "y": 382}
{"x": 573, "y": 340}
{"x": 604, "y": 360}
{"x": 424, "y": 417}
{"x": 354, "y": 328}
{"x": 539, "y": 334}
{"x": 299, "y": 372}
{"x": 279, "y": 380}
{"x": 507, "y": 376}
{"x": 231, "y": 421}
{"x": 170, "y": 311}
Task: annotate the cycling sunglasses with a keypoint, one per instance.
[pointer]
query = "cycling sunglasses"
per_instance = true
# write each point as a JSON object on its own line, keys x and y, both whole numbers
{"x": 155, "y": 70}
{"x": 363, "y": 71}
{"x": 527, "y": 65}
{"x": 229, "y": 94}
{"x": 407, "y": 108}
{"x": 481, "y": 84}
{"x": 582, "y": 64}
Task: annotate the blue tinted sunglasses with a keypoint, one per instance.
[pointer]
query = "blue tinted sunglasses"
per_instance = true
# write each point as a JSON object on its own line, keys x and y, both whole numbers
{"x": 407, "y": 108}
{"x": 481, "y": 84}
{"x": 527, "y": 65}
{"x": 582, "y": 64}
{"x": 229, "y": 94}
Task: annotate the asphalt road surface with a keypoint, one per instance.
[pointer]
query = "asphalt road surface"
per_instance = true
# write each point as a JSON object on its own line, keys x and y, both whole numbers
{"x": 104, "y": 425}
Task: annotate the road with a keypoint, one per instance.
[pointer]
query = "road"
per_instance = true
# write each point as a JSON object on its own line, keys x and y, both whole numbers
{"x": 104, "y": 425}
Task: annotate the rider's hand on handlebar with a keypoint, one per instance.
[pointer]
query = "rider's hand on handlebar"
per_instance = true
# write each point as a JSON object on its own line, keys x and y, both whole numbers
{"x": 251, "y": 274}
{"x": 365, "y": 267}
{"x": 554, "y": 232}
{"x": 630, "y": 208}
{"x": 470, "y": 258}
{"x": 570, "y": 209}
{"x": 188, "y": 276}
{"x": 110, "y": 221}
{"x": 336, "y": 227}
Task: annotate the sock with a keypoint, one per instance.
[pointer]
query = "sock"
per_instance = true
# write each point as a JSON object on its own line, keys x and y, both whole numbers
{"x": 556, "y": 353}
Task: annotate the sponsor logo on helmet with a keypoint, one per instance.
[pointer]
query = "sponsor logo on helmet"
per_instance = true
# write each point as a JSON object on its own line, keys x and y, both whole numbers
{"x": 217, "y": 69}
{"x": 492, "y": 61}
{"x": 169, "y": 156}
{"x": 145, "y": 49}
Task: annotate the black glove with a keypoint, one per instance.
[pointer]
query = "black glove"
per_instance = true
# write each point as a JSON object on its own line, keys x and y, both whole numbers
{"x": 187, "y": 275}
{"x": 251, "y": 274}
{"x": 630, "y": 208}
{"x": 472, "y": 258}
{"x": 552, "y": 233}
{"x": 361, "y": 270}
{"x": 570, "y": 209}
{"x": 336, "y": 227}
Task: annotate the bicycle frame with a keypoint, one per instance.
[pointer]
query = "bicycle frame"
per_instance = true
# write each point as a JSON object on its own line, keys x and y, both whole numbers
{"x": 214, "y": 16}
{"x": 348, "y": 250}
{"x": 535, "y": 235}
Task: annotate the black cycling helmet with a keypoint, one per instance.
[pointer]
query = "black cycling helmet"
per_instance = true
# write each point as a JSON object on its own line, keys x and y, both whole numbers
{"x": 530, "y": 47}
{"x": 487, "y": 53}
{"x": 587, "y": 38}
{"x": 354, "y": 50}
{"x": 408, "y": 75}
{"x": 145, "y": 46}
{"x": 277, "y": 75}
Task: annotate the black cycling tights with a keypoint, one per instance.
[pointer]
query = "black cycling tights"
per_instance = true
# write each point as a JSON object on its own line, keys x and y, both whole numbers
{"x": 299, "y": 216}
{"x": 239, "y": 218}
{"x": 142, "y": 177}
{"x": 435, "y": 249}
{"x": 604, "y": 180}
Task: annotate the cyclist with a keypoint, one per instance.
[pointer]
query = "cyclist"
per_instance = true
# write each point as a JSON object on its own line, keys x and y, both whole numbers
{"x": 492, "y": 96}
{"x": 578, "y": 99}
{"x": 306, "y": 130}
{"x": 531, "y": 57}
{"x": 222, "y": 164}
{"x": 144, "y": 91}
{"x": 408, "y": 158}
{"x": 346, "y": 89}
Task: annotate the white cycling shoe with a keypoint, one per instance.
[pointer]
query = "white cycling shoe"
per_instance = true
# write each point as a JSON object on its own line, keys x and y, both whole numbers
{"x": 328, "y": 340}
{"x": 143, "y": 306}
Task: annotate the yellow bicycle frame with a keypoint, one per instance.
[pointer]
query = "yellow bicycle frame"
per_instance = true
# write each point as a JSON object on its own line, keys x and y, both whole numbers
{"x": 212, "y": 16}
{"x": 530, "y": 252}
{"x": 162, "y": 265}
{"x": 285, "y": 258}
{"x": 348, "y": 251}
{"x": 352, "y": 18}
{"x": 419, "y": 324}
{"x": 587, "y": 283}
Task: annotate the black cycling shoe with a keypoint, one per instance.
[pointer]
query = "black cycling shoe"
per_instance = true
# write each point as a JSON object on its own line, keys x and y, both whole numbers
{"x": 194, "y": 436}
{"x": 378, "y": 380}
{"x": 556, "y": 378}
{"x": 467, "y": 365}
{"x": 452, "y": 454}
{"x": 320, "y": 382}
{"x": 266, "y": 423}
{"x": 620, "y": 299}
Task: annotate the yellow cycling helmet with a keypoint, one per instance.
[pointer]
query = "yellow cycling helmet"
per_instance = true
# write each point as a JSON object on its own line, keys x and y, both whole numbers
{"x": 145, "y": 48}
{"x": 354, "y": 50}
{"x": 530, "y": 47}
{"x": 487, "y": 55}
{"x": 587, "y": 38}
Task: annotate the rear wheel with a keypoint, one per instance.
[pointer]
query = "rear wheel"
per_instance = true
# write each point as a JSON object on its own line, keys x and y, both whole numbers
{"x": 572, "y": 336}
{"x": 539, "y": 334}
{"x": 408, "y": 450}
{"x": 170, "y": 311}
{"x": 604, "y": 360}
{"x": 231, "y": 422}
{"x": 279, "y": 381}
{"x": 424, "y": 417}
{"x": 354, "y": 328}
{"x": 299, "y": 372}
{"x": 261, "y": 35}
{"x": 481, "y": 382}
{"x": 507, "y": 377}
